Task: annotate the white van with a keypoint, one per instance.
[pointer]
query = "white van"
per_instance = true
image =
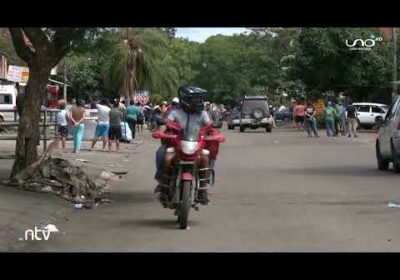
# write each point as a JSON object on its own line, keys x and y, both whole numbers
{"x": 8, "y": 99}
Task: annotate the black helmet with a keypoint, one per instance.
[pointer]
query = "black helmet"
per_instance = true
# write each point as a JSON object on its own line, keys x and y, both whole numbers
{"x": 191, "y": 99}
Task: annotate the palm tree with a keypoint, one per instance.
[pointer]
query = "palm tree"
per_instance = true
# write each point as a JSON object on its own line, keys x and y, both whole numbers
{"x": 123, "y": 65}
{"x": 141, "y": 61}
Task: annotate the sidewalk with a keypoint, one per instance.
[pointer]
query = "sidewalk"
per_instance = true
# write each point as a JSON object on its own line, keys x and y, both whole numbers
{"x": 21, "y": 210}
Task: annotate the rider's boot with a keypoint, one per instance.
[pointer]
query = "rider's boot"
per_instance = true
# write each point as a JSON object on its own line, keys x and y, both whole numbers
{"x": 163, "y": 188}
{"x": 203, "y": 193}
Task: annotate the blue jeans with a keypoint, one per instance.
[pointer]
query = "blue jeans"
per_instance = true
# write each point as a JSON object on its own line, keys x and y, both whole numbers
{"x": 344, "y": 125}
{"x": 78, "y": 135}
{"x": 330, "y": 127}
{"x": 312, "y": 127}
{"x": 160, "y": 155}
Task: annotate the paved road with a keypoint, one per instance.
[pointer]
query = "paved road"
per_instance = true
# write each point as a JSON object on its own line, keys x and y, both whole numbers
{"x": 278, "y": 192}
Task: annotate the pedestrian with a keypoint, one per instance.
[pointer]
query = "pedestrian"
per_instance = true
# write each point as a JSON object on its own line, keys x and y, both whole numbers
{"x": 93, "y": 104}
{"x": 77, "y": 116}
{"x": 311, "y": 122}
{"x": 140, "y": 117}
{"x": 174, "y": 105}
{"x": 103, "y": 122}
{"x": 131, "y": 114}
{"x": 299, "y": 113}
{"x": 351, "y": 117}
{"x": 147, "y": 111}
{"x": 121, "y": 106}
{"x": 330, "y": 114}
{"x": 114, "y": 133}
{"x": 337, "y": 118}
{"x": 62, "y": 122}
{"x": 272, "y": 113}
{"x": 342, "y": 115}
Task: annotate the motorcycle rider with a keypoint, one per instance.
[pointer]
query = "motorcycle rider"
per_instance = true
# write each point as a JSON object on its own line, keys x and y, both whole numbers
{"x": 190, "y": 115}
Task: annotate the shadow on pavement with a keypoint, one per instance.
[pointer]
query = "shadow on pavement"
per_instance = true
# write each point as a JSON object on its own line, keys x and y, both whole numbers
{"x": 132, "y": 197}
{"x": 156, "y": 223}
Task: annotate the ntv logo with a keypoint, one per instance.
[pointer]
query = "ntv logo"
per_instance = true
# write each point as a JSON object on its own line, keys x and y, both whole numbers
{"x": 37, "y": 233}
{"x": 365, "y": 44}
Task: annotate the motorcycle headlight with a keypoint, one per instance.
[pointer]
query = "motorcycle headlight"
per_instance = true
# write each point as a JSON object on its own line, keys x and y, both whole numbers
{"x": 189, "y": 147}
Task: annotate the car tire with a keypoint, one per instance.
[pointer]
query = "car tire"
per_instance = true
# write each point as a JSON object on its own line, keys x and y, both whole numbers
{"x": 396, "y": 159}
{"x": 258, "y": 113}
{"x": 383, "y": 164}
{"x": 241, "y": 129}
{"x": 268, "y": 129}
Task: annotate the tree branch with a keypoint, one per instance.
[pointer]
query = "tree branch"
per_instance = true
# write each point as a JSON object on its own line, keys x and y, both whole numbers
{"x": 20, "y": 47}
{"x": 38, "y": 39}
{"x": 63, "y": 40}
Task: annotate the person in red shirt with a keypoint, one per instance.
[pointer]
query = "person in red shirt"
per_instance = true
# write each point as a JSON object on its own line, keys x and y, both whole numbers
{"x": 299, "y": 112}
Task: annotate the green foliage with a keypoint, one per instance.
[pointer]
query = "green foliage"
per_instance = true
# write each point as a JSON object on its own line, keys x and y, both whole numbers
{"x": 7, "y": 48}
{"x": 301, "y": 62}
{"x": 324, "y": 62}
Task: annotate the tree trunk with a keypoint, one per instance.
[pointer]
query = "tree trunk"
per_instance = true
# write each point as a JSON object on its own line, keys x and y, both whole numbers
{"x": 26, "y": 147}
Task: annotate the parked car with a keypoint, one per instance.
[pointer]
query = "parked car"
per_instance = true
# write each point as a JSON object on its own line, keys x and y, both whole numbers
{"x": 284, "y": 114}
{"x": 388, "y": 141}
{"x": 369, "y": 114}
{"x": 233, "y": 119}
{"x": 8, "y": 101}
{"x": 255, "y": 113}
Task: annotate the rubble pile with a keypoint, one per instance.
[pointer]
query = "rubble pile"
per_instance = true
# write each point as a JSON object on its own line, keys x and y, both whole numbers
{"x": 59, "y": 177}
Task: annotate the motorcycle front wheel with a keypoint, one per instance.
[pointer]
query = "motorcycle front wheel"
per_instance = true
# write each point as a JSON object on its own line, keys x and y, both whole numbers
{"x": 185, "y": 205}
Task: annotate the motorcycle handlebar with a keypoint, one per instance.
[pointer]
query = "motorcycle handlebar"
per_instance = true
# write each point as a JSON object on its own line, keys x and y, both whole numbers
{"x": 219, "y": 138}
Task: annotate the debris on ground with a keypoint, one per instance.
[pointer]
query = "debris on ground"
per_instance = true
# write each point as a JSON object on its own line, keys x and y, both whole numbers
{"x": 59, "y": 177}
{"x": 392, "y": 205}
{"x": 100, "y": 183}
{"x": 82, "y": 160}
{"x": 105, "y": 175}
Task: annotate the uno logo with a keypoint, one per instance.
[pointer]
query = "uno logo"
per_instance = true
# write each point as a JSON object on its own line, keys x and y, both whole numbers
{"x": 369, "y": 43}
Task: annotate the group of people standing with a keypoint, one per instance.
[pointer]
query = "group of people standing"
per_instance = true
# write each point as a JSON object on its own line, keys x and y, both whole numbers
{"x": 338, "y": 116}
{"x": 109, "y": 118}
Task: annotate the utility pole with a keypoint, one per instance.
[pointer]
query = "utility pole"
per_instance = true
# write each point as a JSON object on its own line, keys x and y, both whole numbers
{"x": 394, "y": 93}
{"x": 65, "y": 81}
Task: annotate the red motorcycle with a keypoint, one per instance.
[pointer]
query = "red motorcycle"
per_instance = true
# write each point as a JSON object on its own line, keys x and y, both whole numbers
{"x": 188, "y": 144}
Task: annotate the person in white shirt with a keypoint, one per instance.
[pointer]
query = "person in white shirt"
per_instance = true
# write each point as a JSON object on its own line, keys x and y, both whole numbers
{"x": 103, "y": 122}
{"x": 62, "y": 122}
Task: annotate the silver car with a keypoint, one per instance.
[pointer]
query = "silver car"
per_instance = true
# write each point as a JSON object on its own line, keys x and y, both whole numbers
{"x": 388, "y": 141}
